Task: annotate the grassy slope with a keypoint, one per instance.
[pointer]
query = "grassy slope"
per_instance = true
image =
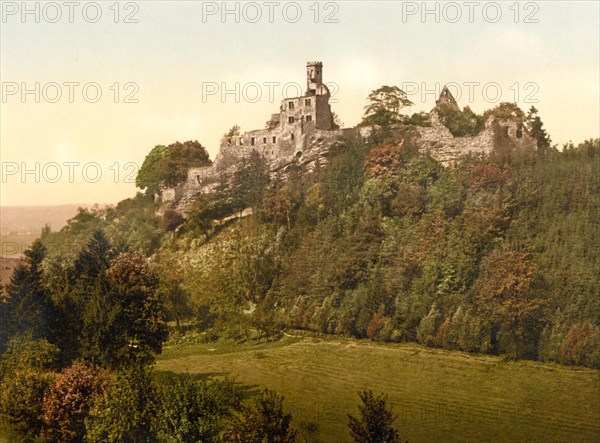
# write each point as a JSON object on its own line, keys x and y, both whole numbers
{"x": 437, "y": 395}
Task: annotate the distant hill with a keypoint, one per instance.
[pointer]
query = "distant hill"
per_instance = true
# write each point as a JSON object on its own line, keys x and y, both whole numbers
{"x": 29, "y": 220}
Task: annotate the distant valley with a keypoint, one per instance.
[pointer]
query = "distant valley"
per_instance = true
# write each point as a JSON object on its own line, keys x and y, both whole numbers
{"x": 21, "y": 225}
{"x": 29, "y": 220}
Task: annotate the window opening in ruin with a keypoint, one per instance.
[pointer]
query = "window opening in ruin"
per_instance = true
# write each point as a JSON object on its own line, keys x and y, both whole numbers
{"x": 252, "y": 141}
{"x": 307, "y": 102}
{"x": 291, "y": 105}
{"x": 264, "y": 139}
{"x": 274, "y": 139}
{"x": 309, "y": 118}
{"x": 292, "y": 136}
{"x": 291, "y": 119}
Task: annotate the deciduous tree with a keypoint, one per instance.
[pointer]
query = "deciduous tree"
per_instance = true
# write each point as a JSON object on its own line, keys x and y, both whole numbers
{"x": 68, "y": 400}
{"x": 384, "y": 106}
{"x": 506, "y": 292}
{"x": 264, "y": 421}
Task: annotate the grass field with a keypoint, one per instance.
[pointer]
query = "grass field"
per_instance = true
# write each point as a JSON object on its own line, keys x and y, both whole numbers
{"x": 438, "y": 396}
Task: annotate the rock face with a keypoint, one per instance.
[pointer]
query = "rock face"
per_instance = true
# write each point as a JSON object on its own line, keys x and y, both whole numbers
{"x": 303, "y": 131}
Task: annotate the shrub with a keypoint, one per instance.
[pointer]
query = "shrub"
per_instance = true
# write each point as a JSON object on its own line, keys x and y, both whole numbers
{"x": 171, "y": 220}
{"x": 581, "y": 346}
{"x": 67, "y": 402}
{"x": 24, "y": 379}
{"x": 263, "y": 421}
{"x": 418, "y": 119}
{"x": 192, "y": 410}
{"x": 126, "y": 411}
{"x": 21, "y": 397}
{"x": 25, "y": 353}
{"x": 461, "y": 123}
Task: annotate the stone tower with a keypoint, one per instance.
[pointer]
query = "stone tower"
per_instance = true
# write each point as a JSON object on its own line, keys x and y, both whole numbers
{"x": 314, "y": 79}
{"x": 446, "y": 99}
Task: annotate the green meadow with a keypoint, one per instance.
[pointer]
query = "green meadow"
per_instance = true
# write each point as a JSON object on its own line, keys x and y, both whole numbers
{"x": 437, "y": 395}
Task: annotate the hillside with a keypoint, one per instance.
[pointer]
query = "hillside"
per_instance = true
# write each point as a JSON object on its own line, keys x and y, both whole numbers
{"x": 497, "y": 254}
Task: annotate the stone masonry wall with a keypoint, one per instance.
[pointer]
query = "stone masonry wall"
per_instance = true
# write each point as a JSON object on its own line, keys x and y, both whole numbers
{"x": 438, "y": 141}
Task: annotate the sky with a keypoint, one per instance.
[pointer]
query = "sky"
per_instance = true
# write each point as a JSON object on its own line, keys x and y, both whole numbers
{"x": 89, "y": 88}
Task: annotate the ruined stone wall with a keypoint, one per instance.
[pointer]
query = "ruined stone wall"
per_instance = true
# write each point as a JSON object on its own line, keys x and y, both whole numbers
{"x": 202, "y": 179}
{"x": 306, "y": 149}
{"x": 301, "y": 109}
{"x": 302, "y": 133}
{"x": 299, "y": 133}
{"x": 447, "y": 149}
{"x": 323, "y": 113}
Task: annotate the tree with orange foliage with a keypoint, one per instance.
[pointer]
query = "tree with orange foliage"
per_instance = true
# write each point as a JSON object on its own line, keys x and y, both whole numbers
{"x": 483, "y": 175}
{"x": 68, "y": 401}
{"x": 506, "y": 291}
{"x": 383, "y": 160}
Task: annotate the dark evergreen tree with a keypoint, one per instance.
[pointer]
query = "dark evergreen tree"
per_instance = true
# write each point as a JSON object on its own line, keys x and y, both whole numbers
{"x": 85, "y": 308}
{"x": 29, "y": 305}
{"x": 375, "y": 422}
{"x": 536, "y": 127}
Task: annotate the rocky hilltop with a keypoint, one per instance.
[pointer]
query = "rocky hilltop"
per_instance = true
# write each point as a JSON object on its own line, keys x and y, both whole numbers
{"x": 304, "y": 131}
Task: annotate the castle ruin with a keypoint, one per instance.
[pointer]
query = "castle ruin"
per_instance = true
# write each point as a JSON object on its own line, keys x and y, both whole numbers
{"x": 438, "y": 141}
{"x": 304, "y": 131}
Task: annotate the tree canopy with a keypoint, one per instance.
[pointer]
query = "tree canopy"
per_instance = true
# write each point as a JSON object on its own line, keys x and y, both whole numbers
{"x": 168, "y": 166}
{"x": 385, "y": 106}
